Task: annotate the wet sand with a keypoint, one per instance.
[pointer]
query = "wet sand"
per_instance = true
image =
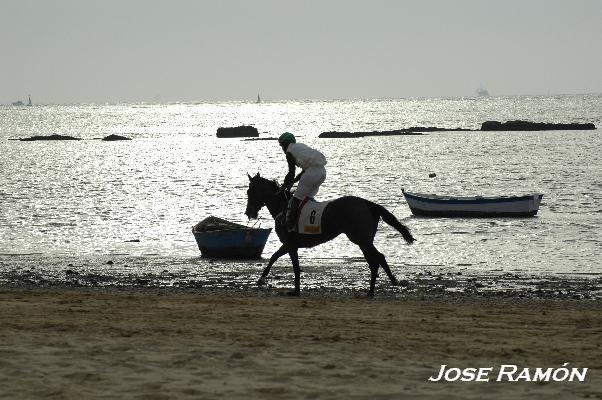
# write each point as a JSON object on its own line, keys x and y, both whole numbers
{"x": 73, "y": 343}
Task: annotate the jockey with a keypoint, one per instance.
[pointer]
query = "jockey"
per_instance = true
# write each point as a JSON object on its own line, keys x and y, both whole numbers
{"x": 312, "y": 174}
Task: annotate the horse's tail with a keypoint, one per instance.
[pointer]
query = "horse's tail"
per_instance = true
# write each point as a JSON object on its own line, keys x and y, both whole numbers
{"x": 390, "y": 219}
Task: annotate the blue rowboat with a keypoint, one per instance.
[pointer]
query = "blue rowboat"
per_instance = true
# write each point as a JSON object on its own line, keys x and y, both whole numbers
{"x": 223, "y": 239}
{"x": 432, "y": 205}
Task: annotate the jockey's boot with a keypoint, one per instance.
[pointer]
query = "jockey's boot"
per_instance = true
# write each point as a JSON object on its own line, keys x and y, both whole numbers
{"x": 292, "y": 213}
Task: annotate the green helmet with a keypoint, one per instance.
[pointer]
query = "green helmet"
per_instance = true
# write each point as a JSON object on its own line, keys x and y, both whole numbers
{"x": 287, "y": 137}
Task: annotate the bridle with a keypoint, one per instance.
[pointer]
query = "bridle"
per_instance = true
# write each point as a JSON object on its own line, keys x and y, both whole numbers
{"x": 254, "y": 207}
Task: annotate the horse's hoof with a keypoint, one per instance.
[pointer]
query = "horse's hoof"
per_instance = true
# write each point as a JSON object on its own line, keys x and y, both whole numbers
{"x": 370, "y": 295}
{"x": 293, "y": 294}
{"x": 261, "y": 281}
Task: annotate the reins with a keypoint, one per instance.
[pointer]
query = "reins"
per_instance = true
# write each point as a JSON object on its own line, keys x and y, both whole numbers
{"x": 287, "y": 196}
{"x": 273, "y": 197}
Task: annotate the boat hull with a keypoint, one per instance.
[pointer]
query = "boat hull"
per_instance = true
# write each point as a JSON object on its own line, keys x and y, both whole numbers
{"x": 473, "y": 207}
{"x": 232, "y": 243}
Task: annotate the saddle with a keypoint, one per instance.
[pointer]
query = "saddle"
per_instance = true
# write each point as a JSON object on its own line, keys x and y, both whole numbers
{"x": 309, "y": 221}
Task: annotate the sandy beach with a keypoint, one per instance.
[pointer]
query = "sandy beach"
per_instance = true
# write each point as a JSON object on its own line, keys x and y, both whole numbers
{"x": 162, "y": 344}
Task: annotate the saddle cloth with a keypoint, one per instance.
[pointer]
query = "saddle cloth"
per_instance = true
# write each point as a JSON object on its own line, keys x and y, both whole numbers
{"x": 310, "y": 217}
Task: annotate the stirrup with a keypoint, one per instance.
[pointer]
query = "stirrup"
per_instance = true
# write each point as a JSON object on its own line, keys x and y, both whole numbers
{"x": 291, "y": 217}
{"x": 290, "y": 222}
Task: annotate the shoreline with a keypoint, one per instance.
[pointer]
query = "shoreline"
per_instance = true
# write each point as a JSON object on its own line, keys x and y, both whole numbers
{"x": 241, "y": 277}
{"x": 160, "y": 343}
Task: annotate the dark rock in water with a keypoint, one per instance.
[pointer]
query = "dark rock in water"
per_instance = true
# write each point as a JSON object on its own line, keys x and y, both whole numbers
{"x": 112, "y": 138}
{"x": 50, "y": 137}
{"x": 520, "y": 125}
{"x": 432, "y": 175}
{"x": 333, "y": 134}
{"x": 239, "y": 131}
{"x": 437, "y": 129}
{"x": 414, "y": 130}
{"x": 265, "y": 138}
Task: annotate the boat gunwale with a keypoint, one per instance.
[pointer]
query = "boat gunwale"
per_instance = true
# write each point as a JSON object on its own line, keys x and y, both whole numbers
{"x": 230, "y": 230}
{"x": 418, "y": 212}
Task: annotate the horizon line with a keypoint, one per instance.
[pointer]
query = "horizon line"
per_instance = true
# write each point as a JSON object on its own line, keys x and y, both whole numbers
{"x": 264, "y": 100}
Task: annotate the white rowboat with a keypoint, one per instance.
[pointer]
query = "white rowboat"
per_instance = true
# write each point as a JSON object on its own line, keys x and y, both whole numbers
{"x": 432, "y": 205}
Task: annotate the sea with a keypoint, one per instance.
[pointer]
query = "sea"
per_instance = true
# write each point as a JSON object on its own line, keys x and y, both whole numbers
{"x": 99, "y": 213}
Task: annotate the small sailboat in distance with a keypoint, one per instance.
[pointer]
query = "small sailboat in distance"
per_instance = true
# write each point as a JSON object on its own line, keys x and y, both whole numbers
{"x": 29, "y": 102}
{"x": 258, "y": 99}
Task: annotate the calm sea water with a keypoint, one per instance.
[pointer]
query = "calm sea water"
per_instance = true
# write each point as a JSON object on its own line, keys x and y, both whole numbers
{"x": 83, "y": 203}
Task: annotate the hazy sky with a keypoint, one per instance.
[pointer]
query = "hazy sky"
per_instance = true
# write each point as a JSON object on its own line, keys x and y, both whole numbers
{"x": 63, "y": 51}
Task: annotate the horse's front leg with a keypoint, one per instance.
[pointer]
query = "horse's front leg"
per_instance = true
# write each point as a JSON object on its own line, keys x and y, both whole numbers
{"x": 279, "y": 253}
{"x": 297, "y": 270}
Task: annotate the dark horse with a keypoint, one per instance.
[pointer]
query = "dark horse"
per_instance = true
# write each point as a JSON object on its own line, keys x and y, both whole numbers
{"x": 356, "y": 217}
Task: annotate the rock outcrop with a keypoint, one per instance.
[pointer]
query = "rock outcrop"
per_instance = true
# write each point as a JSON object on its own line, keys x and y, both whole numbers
{"x": 415, "y": 130}
{"x": 520, "y": 125}
{"x": 334, "y": 134}
{"x": 49, "y": 137}
{"x": 113, "y": 137}
{"x": 239, "y": 131}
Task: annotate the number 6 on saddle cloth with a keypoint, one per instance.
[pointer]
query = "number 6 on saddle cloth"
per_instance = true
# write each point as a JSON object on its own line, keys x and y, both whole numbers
{"x": 309, "y": 219}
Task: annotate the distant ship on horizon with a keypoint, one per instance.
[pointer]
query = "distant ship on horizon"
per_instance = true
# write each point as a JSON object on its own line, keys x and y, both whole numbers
{"x": 258, "y": 99}
{"x": 482, "y": 92}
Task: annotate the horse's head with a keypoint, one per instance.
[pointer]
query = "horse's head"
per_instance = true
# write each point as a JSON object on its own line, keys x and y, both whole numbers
{"x": 260, "y": 190}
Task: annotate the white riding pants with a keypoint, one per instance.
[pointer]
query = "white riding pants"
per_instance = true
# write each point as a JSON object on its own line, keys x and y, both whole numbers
{"x": 310, "y": 182}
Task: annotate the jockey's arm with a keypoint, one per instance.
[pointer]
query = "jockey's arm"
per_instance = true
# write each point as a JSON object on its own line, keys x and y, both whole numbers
{"x": 289, "y": 179}
{"x": 298, "y": 177}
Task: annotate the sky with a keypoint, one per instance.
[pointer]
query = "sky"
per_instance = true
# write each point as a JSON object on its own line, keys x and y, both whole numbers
{"x": 72, "y": 51}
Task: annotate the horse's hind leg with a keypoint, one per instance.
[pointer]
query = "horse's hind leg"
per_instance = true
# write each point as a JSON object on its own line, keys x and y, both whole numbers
{"x": 376, "y": 259}
{"x": 385, "y": 265}
{"x": 372, "y": 256}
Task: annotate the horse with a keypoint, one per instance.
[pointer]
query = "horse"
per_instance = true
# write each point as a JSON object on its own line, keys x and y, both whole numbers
{"x": 356, "y": 217}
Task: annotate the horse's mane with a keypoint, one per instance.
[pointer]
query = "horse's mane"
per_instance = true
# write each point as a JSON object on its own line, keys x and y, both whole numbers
{"x": 272, "y": 182}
